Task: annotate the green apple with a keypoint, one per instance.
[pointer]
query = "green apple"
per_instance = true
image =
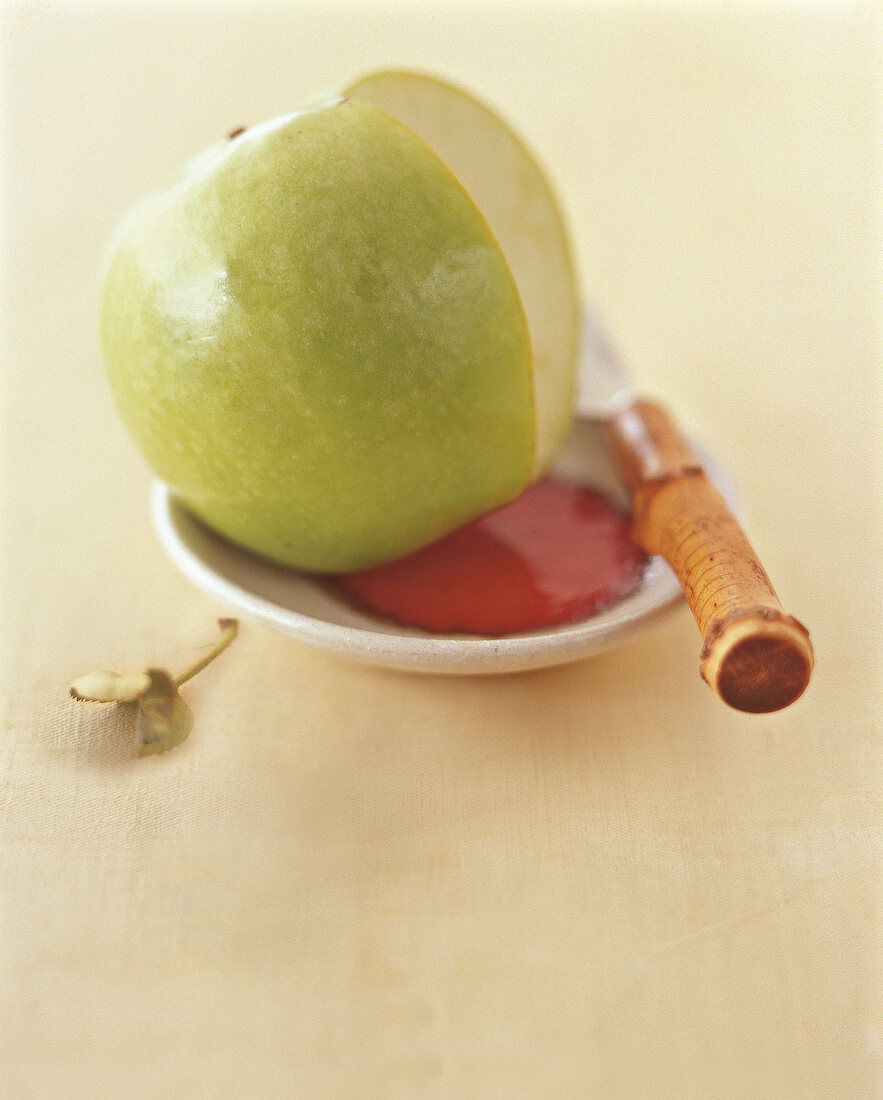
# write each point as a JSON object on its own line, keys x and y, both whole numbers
{"x": 319, "y": 342}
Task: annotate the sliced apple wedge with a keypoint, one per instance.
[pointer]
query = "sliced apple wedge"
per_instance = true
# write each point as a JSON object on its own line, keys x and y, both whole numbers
{"x": 510, "y": 188}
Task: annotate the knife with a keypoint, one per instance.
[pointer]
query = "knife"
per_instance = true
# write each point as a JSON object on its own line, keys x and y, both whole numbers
{"x": 754, "y": 656}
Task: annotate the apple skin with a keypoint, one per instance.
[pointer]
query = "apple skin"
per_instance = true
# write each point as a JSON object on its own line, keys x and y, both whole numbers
{"x": 315, "y": 340}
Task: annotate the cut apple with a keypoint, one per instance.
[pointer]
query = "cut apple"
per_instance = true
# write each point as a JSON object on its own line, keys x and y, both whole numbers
{"x": 350, "y": 330}
{"x": 512, "y": 192}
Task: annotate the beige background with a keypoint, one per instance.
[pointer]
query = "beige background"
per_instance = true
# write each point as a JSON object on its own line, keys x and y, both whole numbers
{"x": 593, "y": 881}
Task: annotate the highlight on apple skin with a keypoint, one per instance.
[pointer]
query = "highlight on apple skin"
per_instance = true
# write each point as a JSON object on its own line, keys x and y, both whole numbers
{"x": 321, "y": 342}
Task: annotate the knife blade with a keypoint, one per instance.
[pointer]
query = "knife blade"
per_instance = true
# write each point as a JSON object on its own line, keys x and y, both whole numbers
{"x": 603, "y": 384}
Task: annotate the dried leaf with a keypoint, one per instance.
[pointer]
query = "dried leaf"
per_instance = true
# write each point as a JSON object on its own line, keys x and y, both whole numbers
{"x": 164, "y": 719}
{"x": 105, "y": 686}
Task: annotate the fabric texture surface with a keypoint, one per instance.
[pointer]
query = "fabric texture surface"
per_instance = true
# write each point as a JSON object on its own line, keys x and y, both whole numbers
{"x": 591, "y": 881}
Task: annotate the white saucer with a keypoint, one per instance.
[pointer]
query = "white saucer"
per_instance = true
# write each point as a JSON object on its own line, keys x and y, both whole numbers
{"x": 309, "y": 609}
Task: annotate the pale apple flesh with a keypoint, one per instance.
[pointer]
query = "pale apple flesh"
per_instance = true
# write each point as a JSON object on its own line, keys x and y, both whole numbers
{"x": 317, "y": 342}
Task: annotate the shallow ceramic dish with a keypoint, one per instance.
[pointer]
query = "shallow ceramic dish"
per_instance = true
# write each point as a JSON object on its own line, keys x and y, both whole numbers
{"x": 310, "y": 610}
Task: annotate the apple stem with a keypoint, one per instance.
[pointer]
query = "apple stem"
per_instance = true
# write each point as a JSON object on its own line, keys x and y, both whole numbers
{"x": 229, "y": 630}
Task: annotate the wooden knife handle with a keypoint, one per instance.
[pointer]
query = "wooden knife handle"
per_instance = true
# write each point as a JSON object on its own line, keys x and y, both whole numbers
{"x": 756, "y": 658}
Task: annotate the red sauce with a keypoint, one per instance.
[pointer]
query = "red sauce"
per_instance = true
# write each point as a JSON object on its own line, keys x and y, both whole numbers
{"x": 555, "y": 555}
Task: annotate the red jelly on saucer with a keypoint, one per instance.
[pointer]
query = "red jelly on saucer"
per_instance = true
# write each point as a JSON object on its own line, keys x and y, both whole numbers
{"x": 557, "y": 554}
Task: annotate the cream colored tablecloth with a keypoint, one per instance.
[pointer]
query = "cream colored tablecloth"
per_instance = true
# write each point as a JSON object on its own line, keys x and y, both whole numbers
{"x": 594, "y": 881}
